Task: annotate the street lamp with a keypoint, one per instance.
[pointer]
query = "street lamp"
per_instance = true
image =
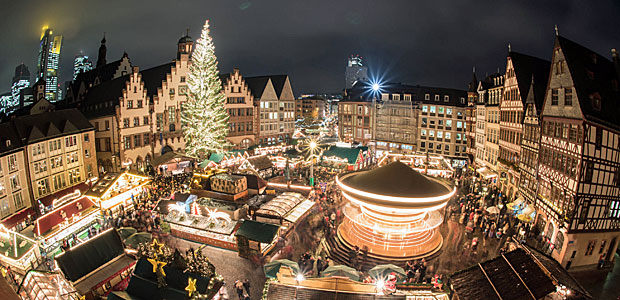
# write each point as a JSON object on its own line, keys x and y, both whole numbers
{"x": 376, "y": 87}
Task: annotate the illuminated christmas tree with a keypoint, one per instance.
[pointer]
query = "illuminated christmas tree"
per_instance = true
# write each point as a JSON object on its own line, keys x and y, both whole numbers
{"x": 204, "y": 118}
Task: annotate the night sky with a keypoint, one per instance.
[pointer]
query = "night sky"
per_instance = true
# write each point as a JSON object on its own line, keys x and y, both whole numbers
{"x": 435, "y": 43}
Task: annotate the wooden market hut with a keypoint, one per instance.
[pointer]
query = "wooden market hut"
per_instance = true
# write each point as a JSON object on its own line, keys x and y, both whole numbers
{"x": 256, "y": 238}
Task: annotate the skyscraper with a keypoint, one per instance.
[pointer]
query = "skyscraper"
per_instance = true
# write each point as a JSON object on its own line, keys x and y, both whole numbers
{"x": 355, "y": 71}
{"x": 47, "y": 64}
{"x": 21, "y": 80}
{"x": 81, "y": 64}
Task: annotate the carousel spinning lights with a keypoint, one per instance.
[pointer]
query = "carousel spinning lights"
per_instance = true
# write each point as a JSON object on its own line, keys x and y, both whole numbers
{"x": 392, "y": 222}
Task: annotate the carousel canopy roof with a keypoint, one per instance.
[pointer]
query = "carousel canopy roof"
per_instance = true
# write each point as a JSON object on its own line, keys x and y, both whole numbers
{"x": 397, "y": 180}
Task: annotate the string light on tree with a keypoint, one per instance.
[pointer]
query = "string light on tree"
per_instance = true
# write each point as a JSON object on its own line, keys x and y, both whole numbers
{"x": 204, "y": 118}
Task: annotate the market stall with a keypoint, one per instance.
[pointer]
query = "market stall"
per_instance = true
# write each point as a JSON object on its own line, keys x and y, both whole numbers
{"x": 285, "y": 209}
{"x": 70, "y": 221}
{"x": 172, "y": 163}
{"x": 115, "y": 189}
{"x": 39, "y": 285}
{"x": 202, "y": 224}
{"x": 256, "y": 238}
{"x": 17, "y": 251}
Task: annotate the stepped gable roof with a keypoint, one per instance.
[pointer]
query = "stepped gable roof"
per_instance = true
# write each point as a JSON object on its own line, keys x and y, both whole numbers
{"x": 397, "y": 180}
{"x": 34, "y": 128}
{"x": 77, "y": 262}
{"x": 96, "y": 100}
{"x": 154, "y": 77}
{"x": 224, "y": 78}
{"x": 593, "y": 76}
{"x": 525, "y": 67}
{"x": 257, "y": 85}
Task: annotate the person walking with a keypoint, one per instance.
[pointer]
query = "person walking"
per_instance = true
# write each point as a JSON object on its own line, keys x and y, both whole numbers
{"x": 246, "y": 286}
{"x": 239, "y": 288}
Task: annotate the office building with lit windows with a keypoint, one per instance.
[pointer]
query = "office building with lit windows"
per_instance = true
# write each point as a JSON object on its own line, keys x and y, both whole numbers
{"x": 47, "y": 64}
{"x": 81, "y": 64}
{"x": 21, "y": 81}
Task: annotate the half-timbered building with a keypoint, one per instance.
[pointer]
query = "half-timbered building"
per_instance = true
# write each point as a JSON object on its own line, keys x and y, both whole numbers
{"x": 578, "y": 200}
{"x": 519, "y": 71}
{"x": 528, "y": 164}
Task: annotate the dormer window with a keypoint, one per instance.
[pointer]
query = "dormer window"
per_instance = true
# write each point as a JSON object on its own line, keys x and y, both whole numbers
{"x": 8, "y": 143}
{"x": 595, "y": 98}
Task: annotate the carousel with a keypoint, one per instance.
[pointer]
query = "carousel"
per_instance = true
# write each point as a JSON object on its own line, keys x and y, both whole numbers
{"x": 393, "y": 211}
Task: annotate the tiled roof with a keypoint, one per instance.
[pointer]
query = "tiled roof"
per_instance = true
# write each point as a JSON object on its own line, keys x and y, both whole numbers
{"x": 154, "y": 77}
{"x": 34, "y": 128}
{"x": 257, "y": 85}
{"x": 102, "y": 98}
{"x": 526, "y": 67}
{"x": 594, "y": 76}
{"x": 8, "y": 133}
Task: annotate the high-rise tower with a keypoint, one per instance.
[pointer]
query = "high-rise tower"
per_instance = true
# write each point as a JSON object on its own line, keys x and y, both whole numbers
{"x": 355, "y": 71}
{"x": 21, "y": 80}
{"x": 47, "y": 64}
{"x": 81, "y": 64}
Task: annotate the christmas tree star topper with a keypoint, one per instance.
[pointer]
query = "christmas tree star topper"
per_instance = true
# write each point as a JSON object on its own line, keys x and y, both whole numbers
{"x": 204, "y": 118}
{"x": 157, "y": 246}
{"x": 191, "y": 286}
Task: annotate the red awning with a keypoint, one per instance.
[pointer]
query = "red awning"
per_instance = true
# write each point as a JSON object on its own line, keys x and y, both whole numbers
{"x": 48, "y": 200}
{"x": 16, "y": 218}
{"x": 57, "y": 216}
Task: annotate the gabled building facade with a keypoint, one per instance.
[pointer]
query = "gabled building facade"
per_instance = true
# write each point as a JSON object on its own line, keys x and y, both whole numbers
{"x": 519, "y": 71}
{"x": 275, "y": 102}
{"x": 579, "y": 172}
{"x": 242, "y": 125}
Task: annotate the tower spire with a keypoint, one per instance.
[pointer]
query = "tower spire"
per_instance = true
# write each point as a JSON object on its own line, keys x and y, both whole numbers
{"x": 509, "y": 48}
{"x": 556, "y": 30}
{"x": 101, "y": 61}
